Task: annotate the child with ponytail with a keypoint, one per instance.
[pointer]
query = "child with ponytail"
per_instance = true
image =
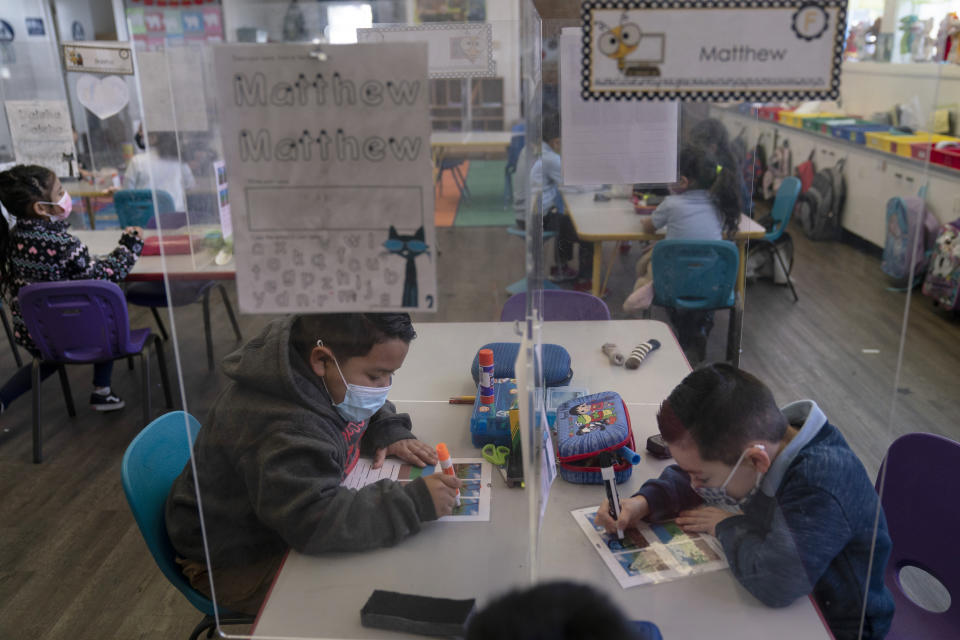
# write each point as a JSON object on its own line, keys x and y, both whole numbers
{"x": 705, "y": 205}
{"x": 40, "y": 249}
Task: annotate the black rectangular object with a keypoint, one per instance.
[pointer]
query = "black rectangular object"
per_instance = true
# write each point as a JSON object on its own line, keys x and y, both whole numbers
{"x": 410, "y": 613}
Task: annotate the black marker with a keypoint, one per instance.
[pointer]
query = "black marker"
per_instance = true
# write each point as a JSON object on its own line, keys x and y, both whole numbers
{"x": 610, "y": 484}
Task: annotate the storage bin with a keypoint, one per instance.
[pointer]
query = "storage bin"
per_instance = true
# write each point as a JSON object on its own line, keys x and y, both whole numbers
{"x": 857, "y": 133}
{"x": 793, "y": 119}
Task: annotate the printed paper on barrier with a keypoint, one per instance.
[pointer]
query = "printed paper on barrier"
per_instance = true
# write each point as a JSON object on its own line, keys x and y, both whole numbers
{"x": 331, "y": 191}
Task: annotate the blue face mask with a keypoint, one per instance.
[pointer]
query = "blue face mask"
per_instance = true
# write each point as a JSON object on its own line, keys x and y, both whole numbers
{"x": 718, "y": 496}
{"x": 359, "y": 403}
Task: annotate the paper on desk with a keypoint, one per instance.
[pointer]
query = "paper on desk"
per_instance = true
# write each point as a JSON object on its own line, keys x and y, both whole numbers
{"x": 611, "y": 141}
{"x": 653, "y": 553}
{"x": 475, "y": 473}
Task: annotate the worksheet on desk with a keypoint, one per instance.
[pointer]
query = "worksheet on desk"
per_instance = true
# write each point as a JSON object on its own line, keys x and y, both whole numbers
{"x": 476, "y": 474}
{"x": 610, "y": 141}
{"x": 653, "y": 553}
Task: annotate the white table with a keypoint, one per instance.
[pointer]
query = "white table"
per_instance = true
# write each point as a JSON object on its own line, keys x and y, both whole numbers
{"x": 617, "y": 220}
{"x": 321, "y": 597}
{"x": 471, "y": 141}
{"x": 197, "y": 266}
{"x": 438, "y": 364}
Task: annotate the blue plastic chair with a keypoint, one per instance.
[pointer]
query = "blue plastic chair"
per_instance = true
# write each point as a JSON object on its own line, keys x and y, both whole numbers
{"x": 782, "y": 210}
{"x": 695, "y": 275}
{"x": 517, "y": 140}
{"x": 558, "y": 304}
{"x": 82, "y": 322}
{"x": 918, "y": 470}
{"x": 151, "y": 463}
{"x": 135, "y": 206}
{"x": 153, "y": 294}
{"x": 459, "y": 178}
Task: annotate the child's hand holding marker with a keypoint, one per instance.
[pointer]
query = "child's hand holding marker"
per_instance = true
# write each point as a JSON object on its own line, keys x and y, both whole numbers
{"x": 632, "y": 511}
{"x": 443, "y": 490}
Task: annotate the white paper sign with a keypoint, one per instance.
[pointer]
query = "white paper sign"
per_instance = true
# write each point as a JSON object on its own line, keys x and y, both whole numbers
{"x": 330, "y": 176}
{"x": 104, "y": 97}
{"x": 172, "y": 88}
{"x": 455, "y": 50}
{"x": 612, "y": 142}
{"x": 41, "y": 133}
{"x": 713, "y": 50}
{"x": 100, "y": 58}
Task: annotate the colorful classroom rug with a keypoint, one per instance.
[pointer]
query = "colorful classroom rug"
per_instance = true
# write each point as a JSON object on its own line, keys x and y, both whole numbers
{"x": 484, "y": 207}
{"x": 447, "y": 198}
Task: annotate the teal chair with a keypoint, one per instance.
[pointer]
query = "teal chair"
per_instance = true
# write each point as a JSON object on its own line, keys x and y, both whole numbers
{"x": 150, "y": 465}
{"x": 695, "y": 276}
{"x": 135, "y": 206}
{"x": 782, "y": 210}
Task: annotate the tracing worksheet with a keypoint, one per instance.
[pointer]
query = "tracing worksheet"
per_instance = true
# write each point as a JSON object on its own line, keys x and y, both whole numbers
{"x": 653, "y": 553}
{"x": 475, "y": 473}
{"x": 331, "y": 179}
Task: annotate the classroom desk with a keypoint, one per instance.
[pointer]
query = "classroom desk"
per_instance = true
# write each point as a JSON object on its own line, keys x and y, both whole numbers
{"x": 321, "y": 597}
{"x": 465, "y": 143}
{"x": 438, "y": 365}
{"x": 471, "y": 141}
{"x": 199, "y": 266}
{"x": 85, "y": 191}
{"x": 616, "y": 219}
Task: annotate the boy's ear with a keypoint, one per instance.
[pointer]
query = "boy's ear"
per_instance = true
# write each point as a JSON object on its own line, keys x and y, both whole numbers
{"x": 759, "y": 458}
{"x": 319, "y": 358}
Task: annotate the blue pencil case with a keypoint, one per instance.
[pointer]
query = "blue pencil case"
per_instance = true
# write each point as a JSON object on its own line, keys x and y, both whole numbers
{"x": 556, "y": 363}
{"x": 588, "y": 426}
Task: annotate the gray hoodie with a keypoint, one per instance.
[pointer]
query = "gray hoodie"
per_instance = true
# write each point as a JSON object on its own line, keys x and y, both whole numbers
{"x": 270, "y": 458}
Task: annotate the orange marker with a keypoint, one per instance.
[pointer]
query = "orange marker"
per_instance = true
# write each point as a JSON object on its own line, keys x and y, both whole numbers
{"x": 446, "y": 465}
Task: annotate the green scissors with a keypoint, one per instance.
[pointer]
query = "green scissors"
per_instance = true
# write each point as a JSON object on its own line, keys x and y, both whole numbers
{"x": 496, "y": 455}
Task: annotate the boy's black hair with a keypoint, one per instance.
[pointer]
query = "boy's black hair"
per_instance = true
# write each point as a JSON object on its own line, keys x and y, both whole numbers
{"x": 550, "y": 127}
{"x": 349, "y": 335}
{"x": 551, "y": 611}
{"x": 21, "y": 186}
{"x": 722, "y": 409}
{"x": 705, "y": 170}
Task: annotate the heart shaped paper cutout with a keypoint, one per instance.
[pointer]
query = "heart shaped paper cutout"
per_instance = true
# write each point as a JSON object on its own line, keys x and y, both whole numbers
{"x": 103, "y": 97}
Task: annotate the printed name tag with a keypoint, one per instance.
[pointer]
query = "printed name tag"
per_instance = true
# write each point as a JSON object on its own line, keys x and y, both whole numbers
{"x": 722, "y": 50}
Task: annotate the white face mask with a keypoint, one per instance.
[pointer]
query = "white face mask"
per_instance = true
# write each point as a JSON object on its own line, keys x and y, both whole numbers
{"x": 359, "y": 402}
{"x": 718, "y": 496}
{"x": 65, "y": 203}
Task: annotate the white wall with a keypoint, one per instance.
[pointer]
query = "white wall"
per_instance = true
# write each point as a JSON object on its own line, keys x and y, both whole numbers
{"x": 868, "y": 87}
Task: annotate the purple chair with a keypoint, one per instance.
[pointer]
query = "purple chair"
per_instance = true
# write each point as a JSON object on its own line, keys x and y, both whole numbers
{"x": 558, "y": 304}
{"x": 919, "y": 503}
{"x": 81, "y": 322}
{"x": 154, "y": 294}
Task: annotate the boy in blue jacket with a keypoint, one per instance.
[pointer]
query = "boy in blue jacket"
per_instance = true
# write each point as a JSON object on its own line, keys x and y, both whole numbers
{"x": 780, "y": 489}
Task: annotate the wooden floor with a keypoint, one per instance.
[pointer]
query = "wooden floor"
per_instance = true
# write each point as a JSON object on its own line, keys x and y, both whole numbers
{"x": 73, "y": 564}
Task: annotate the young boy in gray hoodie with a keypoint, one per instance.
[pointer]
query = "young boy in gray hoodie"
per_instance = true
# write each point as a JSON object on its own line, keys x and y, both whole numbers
{"x": 307, "y": 397}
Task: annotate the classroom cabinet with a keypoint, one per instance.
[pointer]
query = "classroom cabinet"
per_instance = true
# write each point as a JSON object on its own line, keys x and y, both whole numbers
{"x": 873, "y": 177}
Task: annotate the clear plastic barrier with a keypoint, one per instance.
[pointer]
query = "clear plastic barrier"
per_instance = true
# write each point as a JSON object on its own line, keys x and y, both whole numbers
{"x": 743, "y": 312}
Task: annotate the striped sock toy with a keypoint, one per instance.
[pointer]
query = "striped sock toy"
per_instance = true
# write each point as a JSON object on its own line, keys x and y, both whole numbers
{"x": 640, "y": 352}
